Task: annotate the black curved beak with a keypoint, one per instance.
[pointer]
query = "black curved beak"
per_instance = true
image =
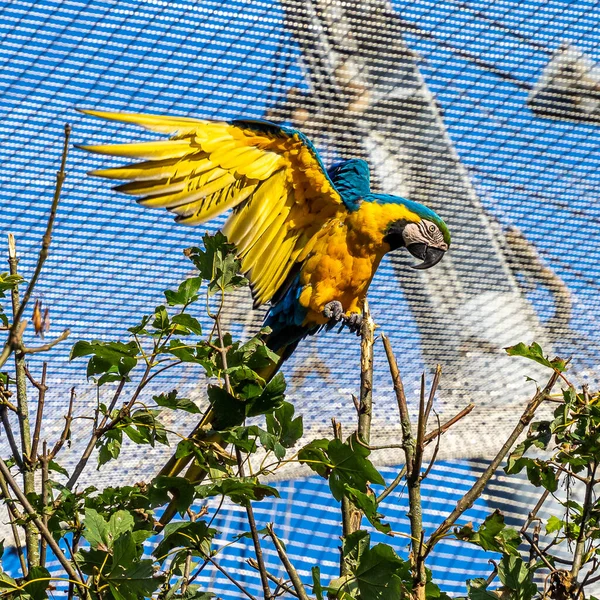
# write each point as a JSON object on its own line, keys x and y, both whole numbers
{"x": 429, "y": 255}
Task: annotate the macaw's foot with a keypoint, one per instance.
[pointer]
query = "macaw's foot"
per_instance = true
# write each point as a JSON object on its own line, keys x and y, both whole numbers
{"x": 354, "y": 322}
{"x": 334, "y": 311}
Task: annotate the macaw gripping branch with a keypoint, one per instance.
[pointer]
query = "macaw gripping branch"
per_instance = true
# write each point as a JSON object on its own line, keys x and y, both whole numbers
{"x": 98, "y": 536}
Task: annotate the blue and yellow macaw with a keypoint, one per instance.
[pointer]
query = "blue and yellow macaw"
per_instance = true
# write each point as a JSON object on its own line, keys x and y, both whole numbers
{"x": 310, "y": 239}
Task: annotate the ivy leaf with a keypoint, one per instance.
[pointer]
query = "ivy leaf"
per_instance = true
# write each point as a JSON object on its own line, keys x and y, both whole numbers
{"x": 534, "y": 352}
{"x": 171, "y": 401}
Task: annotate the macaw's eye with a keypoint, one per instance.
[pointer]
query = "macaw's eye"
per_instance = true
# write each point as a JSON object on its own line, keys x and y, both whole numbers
{"x": 432, "y": 228}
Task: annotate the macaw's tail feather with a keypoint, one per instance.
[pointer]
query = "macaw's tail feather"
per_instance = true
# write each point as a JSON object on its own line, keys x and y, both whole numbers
{"x": 196, "y": 473}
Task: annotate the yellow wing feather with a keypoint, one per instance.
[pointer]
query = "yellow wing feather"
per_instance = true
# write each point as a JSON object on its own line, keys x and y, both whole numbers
{"x": 280, "y": 195}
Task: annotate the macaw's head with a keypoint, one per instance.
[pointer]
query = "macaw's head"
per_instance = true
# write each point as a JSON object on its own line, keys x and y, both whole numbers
{"x": 422, "y": 232}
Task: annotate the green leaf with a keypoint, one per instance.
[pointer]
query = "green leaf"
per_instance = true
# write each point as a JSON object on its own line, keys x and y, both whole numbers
{"x": 135, "y": 582}
{"x": 477, "y": 590}
{"x": 271, "y": 397}
{"x": 492, "y": 535}
{"x": 7, "y": 582}
{"x": 124, "y": 551}
{"x": 515, "y": 575}
{"x": 354, "y": 546}
{"x": 193, "y": 592}
{"x": 282, "y": 424}
{"x": 241, "y": 490}
{"x": 40, "y": 580}
{"x": 186, "y": 293}
{"x": 350, "y": 465}
{"x": 377, "y": 573}
{"x": 534, "y": 352}
{"x": 95, "y": 529}
{"x": 217, "y": 263}
{"x": 112, "y": 360}
{"x": 368, "y": 504}
{"x": 8, "y": 282}
{"x": 187, "y": 324}
{"x": 554, "y": 524}
{"x": 228, "y": 410}
{"x": 54, "y": 466}
{"x": 171, "y": 401}
{"x": 195, "y": 536}
{"x": 109, "y": 446}
{"x": 184, "y": 496}
{"x": 120, "y": 522}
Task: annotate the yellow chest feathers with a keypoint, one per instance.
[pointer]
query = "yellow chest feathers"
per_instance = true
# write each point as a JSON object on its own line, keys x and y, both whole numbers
{"x": 345, "y": 256}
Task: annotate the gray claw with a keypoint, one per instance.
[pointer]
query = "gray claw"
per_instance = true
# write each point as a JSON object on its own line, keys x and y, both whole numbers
{"x": 354, "y": 322}
{"x": 334, "y": 311}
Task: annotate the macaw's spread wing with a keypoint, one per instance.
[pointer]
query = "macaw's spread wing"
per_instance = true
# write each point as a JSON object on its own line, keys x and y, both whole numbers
{"x": 271, "y": 176}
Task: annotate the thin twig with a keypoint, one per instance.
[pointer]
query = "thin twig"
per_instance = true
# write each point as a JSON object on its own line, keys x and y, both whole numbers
{"x": 96, "y": 433}
{"x": 41, "y": 527}
{"x": 413, "y": 451}
{"x": 44, "y": 460}
{"x": 31, "y": 538}
{"x": 45, "y": 347}
{"x": 534, "y": 545}
{"x": 13, "y": 514}
{"x": 438, "y": 440}
{"x": 248, "y": 505}
{"x": 13, "y": 337}
{"x": 390, "y": 488}
{"x": 421, "y": 427}
{"x": 278, "y": 581}
{"x": 434, "y": 386}
{"x": 477, "y": 489}
{"x": 64, "y": 436}
{"x": 367, "y": 332}
{"x": 41, "y": 388}
{"x": 10, "y": 437}
{"x": 440, "y": 430}
{"x": 237, "y": 585}
{"x": 291, "y": 571}
{"x": 586, "y": 509}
